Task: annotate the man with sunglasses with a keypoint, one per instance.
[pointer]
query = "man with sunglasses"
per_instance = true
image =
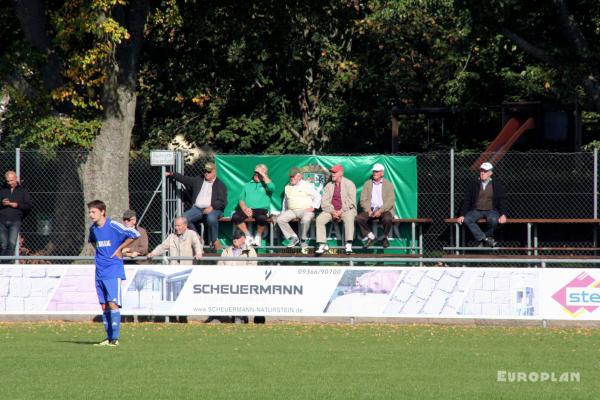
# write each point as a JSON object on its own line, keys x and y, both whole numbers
{"x": 485, "y": 198}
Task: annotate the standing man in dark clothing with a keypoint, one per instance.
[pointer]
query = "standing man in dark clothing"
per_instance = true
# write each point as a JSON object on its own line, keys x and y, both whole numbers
{"x": 15, "y": 203}
{"x": 485, "y": 198}
{"x": 209, "y": 195}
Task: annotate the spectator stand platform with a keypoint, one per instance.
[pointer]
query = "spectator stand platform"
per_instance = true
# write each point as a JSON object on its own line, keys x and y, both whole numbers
{"x": 531, "y": 246}
{"x": 273, "y": 244}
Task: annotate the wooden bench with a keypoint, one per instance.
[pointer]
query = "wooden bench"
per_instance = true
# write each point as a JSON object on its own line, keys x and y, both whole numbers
{"x": 532, "y": 233}
{"x": 416, "y": 224}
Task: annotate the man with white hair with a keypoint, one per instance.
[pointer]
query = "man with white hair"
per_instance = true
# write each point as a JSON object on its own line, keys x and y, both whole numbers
{"x": 377, "y": 201}
{"x": 14, "y": 205}
{"x": 183, "y": 242}
{"x": 484, "y": 198}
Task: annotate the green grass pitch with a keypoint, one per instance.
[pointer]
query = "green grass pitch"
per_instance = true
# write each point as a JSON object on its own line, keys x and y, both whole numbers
{"x": 293, "y": 361}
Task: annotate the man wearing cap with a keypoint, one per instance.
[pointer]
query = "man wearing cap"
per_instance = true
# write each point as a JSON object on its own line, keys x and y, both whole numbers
{"x": 140, "y": 246}
{"x": 377, "y": 202}
{"x": 484, "y": 198}
{"x": 255, "y": 202}
{"x": 209, "y": 195}
{"x": 300, "y": 200}
{"x": 338, "y": 204}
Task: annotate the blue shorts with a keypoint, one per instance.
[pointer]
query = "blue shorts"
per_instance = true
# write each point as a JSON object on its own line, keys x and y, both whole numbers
{"x": 109, "y": 290}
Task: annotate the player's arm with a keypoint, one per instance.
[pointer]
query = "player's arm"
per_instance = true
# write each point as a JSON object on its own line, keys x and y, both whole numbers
{"x": 118, "y": 252}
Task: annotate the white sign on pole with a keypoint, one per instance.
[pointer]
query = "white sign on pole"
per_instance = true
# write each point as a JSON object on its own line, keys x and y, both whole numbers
{"x": 162, "y": 158}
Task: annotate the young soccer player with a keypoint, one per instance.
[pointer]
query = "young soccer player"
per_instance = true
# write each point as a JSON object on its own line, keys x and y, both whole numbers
{"x": 109, "y": 238}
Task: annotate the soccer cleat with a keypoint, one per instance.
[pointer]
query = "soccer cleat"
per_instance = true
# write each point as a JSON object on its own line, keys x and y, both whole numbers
{"x": 257, "y": 240}
{"x": 293, "y": 241}
{"x": 113, "y": 343}
{"x": 105, "y": 342}
{"x": 348, "y": 248}
{"x": 322, "y": 249}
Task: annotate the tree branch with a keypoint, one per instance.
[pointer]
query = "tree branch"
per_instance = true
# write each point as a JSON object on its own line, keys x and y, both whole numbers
{"x": 529, "y": 48}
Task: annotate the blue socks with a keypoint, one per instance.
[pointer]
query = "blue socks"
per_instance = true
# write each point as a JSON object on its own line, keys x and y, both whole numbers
{"x": 107, "y": 325}
{"x": 115, "y": 324}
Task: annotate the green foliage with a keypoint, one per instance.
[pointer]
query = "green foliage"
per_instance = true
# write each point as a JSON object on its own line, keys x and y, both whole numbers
{"x": 62, "y": 132}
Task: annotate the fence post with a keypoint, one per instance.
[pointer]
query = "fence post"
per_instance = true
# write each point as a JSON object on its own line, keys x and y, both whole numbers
{"x": 179, "y": 168}
{"x": 595, "y": 230}
{"x": 453, "y": 233}
{"x": 163, "y": 202}
{"x": 595, "y": 183}
{"x": 18, "y": 172}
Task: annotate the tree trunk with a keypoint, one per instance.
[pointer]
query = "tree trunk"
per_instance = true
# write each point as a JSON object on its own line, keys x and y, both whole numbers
{"x": 105, "y": 173}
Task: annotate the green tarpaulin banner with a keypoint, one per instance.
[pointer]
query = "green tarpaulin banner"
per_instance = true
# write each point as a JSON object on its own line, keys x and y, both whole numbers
{"x": 401, "y": 171}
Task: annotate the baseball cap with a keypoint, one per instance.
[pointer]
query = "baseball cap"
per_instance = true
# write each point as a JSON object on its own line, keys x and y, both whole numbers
{"x": 377, "y": 167}
{"x": 336, "y": 168}
{"x": 294, "y": 171}
{"x": 486, "y": 166}
{"x": 129, "y": 214}
{"x": 209, "y": 166}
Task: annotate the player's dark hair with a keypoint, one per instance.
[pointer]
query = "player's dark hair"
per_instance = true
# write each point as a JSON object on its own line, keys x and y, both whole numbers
{"x": 99, "y": 204}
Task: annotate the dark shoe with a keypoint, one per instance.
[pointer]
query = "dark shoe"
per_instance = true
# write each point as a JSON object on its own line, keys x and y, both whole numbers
{"x": 259, "y": 320}
{"x": 489, "y": 242}
{"x": 385, "y": 243}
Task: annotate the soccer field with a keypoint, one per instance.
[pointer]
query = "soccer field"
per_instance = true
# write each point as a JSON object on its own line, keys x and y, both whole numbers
{"x": 294, "y": 361}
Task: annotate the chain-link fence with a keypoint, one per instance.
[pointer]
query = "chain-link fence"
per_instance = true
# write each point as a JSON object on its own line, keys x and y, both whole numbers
{"x": 538, "y": 185}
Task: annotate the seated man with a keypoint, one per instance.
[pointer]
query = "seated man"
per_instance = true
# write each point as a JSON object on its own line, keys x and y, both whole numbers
{"x": 183, "y": 242}
{"x": 140, "y": 246}
{"x": 338, "y": 204}
{"x": 239, "y": 248}
{"x": 209, "y": 195}
{"x": 299, "y": 201}
{"x": 255, "y": 201}
{"x": 484, "y": 198}
{"x": 377, "y": 202}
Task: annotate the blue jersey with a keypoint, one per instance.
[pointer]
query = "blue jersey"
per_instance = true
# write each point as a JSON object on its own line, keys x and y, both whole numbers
{"x": 107, "y": 239}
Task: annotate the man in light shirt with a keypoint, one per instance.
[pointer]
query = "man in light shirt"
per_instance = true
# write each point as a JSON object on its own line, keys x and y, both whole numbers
{"x": 377, "y": 202}
{"x": 300, "y": 201}
{"x": 209, "y": 195}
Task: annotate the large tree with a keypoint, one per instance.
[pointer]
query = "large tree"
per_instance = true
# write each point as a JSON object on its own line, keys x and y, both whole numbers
{"x": 86, "y": 56}
{"x": 560, "y": 36}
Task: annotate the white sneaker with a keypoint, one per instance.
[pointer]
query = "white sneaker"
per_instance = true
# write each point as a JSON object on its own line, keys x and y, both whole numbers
{"x": 257, "y": 240}
{"x": 348, "y": 248}
{"x": 371, "y": 236}
{"x": 293, "y": 241}
{"x": 323, "y": 247}
{"x": 304, "y": 247}
{"x": 249, "y": 241}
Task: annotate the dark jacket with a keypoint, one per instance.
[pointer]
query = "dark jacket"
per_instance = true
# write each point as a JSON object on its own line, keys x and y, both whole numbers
{"x": 499, "y": 201}
{"x": 21, "y": 196}
{"x": 218, "y": 200}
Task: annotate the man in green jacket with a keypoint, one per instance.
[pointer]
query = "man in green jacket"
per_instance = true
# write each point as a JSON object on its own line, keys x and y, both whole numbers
{"x": 255, "y": 202}
{"x": 377, "y": 202}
